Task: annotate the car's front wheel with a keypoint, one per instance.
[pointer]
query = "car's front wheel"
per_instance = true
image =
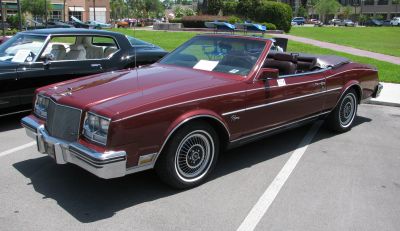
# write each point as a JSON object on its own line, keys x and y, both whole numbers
{"x": 190, "y": 156}
{"x": 342, "y": 117}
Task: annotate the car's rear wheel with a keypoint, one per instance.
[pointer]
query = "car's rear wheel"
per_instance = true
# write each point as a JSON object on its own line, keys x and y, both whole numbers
{"x": 342, "y": 117}
{"x": 190, "y": 156}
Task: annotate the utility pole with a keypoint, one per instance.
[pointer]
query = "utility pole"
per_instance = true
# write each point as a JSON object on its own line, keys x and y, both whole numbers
{"x": 19, "y": 16}
{"x": 94, "y": 10}
{"x": 3, "y": 27}
{"x": 45, "y": 13}
{"x": 64, "y": 11}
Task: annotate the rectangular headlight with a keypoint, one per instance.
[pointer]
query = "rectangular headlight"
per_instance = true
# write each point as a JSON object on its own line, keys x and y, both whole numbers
{"x": 41, "y": 104}
{"x": 95, "y": 128}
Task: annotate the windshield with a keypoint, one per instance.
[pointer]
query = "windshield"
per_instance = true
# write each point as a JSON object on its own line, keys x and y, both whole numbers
{"x": 218, "y": 54}
{"x": 22, "y": 48}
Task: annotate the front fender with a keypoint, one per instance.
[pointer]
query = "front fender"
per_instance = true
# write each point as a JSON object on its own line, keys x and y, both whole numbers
{"x": 190, "y": 116}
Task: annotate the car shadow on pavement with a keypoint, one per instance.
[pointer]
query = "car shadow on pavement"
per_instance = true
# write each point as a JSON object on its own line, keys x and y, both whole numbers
{"x": 89, "y": 199}
{"x": 11, "y": 122}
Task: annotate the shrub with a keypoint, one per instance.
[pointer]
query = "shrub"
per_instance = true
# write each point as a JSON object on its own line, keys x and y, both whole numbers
{"x": 13, "y": 20}
{"x": 179, "y": 12}
{"x": 270, "y": 26}
{"x": 279, "y": 14}
{"x": 189, "y": 12}
{"x": 175, "y": 20}
{"x": 234, "y": 19}
{"x": 198, "y": 21}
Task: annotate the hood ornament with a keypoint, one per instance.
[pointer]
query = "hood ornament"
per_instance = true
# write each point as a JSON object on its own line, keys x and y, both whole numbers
{"x": 67, "y": 92}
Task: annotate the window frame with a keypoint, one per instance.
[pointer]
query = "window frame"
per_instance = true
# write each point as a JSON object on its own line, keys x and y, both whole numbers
{"x": 51, "y": 36}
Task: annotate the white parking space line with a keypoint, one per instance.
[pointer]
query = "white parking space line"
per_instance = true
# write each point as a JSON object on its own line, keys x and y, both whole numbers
{"x": 265, "y": 201}
{"x": 17, "y": 148}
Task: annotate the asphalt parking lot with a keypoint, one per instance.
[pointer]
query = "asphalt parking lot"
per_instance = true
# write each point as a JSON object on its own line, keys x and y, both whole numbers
{"x": 347, "y": 181}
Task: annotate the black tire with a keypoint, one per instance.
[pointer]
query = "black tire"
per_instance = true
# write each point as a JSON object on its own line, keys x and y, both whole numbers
{"x": 193, "y": 147}
{"x": 342, "y": 117}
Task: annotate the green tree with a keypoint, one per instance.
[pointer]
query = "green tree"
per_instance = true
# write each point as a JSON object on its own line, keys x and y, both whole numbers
{"x": 302, "y": 12}
{"x": 229, "y": 7}
{"x": 36, "y": 7}
{"x": 311, "y": 4}
{"x": 119, "y": 9}
{"x": 325, "y": 7}
{"x": 247, "y": 8}
{"x": 347, "y": 11}
{"x": 277, "y": 13}
{"x": 136, "y": 8}
{"x": 214, "y": 6}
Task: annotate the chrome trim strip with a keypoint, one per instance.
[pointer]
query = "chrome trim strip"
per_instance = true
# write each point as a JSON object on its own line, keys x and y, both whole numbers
{"x": 280, "y": 101}
{"x": 306, "y": 73}
{"x": 225, "y": 94}
{"x": 17, "y": 112}
{"x": 279, "y": 126}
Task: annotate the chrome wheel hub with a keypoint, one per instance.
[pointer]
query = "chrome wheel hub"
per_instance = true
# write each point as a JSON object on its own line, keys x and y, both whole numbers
{"x": 347, "y": 110}
{"x": 194, "y": 156}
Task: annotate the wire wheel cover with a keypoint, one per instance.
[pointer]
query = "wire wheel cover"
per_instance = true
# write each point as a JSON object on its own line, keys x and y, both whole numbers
{"x": 347, "y": 110}
{"x": 194, "y": 155}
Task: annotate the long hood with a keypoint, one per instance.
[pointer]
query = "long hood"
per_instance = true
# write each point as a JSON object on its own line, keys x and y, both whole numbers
{"x": 115, "y": 92}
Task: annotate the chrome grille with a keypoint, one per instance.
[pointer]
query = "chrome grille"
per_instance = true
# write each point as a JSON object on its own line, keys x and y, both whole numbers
{"x": 63, "y": 122}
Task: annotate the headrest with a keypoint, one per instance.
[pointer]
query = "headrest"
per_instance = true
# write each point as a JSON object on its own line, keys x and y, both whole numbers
{"x": 58, "y": 47}
{"x": 86, "y": 41}
{"x": 285, "y": 57}
{"x": 77, "y": 47}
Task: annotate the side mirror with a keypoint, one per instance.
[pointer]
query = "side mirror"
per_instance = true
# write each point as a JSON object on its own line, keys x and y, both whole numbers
{"x": 47, "y": 58}
{"x": 268, "y": 73}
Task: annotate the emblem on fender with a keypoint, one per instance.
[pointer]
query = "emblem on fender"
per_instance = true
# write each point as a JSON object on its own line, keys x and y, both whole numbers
{"x": 234, "y": 118}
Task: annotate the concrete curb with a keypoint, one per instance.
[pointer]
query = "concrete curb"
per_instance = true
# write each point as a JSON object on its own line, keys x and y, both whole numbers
{"x": 383, "y": 103}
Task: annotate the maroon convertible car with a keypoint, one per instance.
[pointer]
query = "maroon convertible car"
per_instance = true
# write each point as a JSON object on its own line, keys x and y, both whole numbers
{"x": 211, "y": 93}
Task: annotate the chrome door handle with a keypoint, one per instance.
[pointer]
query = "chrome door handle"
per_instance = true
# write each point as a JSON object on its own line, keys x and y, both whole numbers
{"x": 96, "y": 65}
{"x": 320, "y": 84}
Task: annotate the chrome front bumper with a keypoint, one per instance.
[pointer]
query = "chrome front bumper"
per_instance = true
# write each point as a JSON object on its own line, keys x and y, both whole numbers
{"x": 377, "y": 91}
{"x": 104, "y": 165}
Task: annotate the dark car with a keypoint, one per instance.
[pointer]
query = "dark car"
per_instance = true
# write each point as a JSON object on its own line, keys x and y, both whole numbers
{"x": 176, "y": 115}
{"x": 36, "y": 58}
{"x": 374, "y": 22}
{"x": 58, "y": 24}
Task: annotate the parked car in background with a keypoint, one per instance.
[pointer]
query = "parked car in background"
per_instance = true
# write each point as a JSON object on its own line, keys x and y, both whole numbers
{"x": 374, "y": 22}
{"x": 98, "y": 25}
{"x": 386, "y": 23}
{"x": 299, "y": 20}
{"x": 214, "y": 92}
{"x": 314, "y": 21}
{"x": 58, "y": 24}
{"x": 346, "y": 22}
{"x": 79, "y": 24}
{"x": 122, "y": 24}
{"x": 3, "y": 39}
{"x": 334, "y": 21}
{"x": 36, "y": 58}
{"x": 395, "y": 21}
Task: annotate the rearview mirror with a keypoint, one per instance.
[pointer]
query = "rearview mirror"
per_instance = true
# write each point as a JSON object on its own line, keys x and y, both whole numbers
{"x": 268, "y": 73}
